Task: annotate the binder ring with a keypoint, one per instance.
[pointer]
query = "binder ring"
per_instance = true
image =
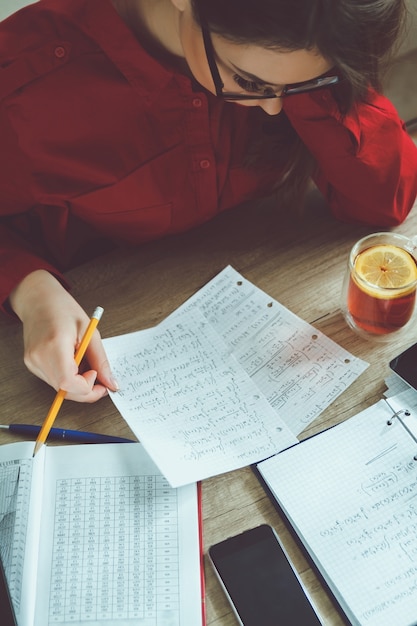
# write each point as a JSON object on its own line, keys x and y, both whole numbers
{"x": 396, "y": 414}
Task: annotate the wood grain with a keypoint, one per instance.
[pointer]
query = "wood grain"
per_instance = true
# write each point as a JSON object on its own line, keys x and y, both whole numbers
{"x": 299, "y": 259}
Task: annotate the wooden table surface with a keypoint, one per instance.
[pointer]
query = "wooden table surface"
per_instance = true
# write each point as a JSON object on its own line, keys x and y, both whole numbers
{"x": 299, "y": 260}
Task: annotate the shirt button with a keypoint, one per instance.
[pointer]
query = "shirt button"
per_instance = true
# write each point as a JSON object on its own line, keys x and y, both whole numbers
{"x": 204, "y": 164}
{"x": 59, "y": 52}
{"x": 197, "y": 102}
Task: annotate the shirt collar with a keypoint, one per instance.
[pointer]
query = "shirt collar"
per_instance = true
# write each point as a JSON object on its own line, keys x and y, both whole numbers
{"x": 146, "y": 74}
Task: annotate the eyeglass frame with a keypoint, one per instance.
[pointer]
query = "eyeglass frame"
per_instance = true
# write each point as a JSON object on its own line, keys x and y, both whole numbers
{"x": 288, "y": 90}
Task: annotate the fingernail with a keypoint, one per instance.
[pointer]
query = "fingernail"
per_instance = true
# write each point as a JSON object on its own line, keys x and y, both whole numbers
{"x": 114, "y": 384}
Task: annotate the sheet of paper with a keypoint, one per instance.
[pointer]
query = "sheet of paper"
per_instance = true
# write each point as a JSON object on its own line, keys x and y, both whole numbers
{"x": 119, "y": 545}
{"x": 351, "y": 495}
{"x": 14, "y": 505}
{"x": 114, "y": 543}
{"x": 190, "y": 403}
{"x": 229, "y": 378}
{"x": 297, "y": 368}
{"x": 20, "y": 501}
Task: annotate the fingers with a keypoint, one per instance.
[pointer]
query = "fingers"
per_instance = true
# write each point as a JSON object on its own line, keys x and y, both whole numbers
{"x": 97, "y": 360}
{"x": 61, "y": 372}
{"x": 93, "y": 384}
{"x": 53, "y": 327}
{"x": 49, "y": 356}
{"x": 56, "y": 366}
{"x": 85, "y": 389}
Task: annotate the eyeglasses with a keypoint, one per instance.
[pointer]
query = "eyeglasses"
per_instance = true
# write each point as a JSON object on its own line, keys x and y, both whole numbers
{"x": 288, "y": 90}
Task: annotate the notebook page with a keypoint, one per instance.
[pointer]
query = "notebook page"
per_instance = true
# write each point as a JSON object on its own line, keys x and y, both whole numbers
{"x": 190, "y": 403}
{"x": 20, "y": 499}
{"x": 15, "y": 481}
{"x": 298, "y": 369}
{"x": 351, "y": 495}
{"x": 119, "y": 546}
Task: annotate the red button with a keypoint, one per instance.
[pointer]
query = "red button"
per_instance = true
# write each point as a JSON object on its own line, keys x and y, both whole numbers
{"x": 59, "y": 52}
{"x": 204, "y": 164}
{"x": 197, "y": 102}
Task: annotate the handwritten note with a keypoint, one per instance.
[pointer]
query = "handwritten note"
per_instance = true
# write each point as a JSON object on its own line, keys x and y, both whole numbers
{"x": 189, "y": 401}
{"x": 228, "y": 379}
{"x": 351, "y": 494}
{"x": 297, "y": 368}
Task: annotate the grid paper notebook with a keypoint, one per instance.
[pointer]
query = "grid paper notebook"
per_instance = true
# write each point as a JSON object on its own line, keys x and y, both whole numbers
{"x": 350, "y": 494}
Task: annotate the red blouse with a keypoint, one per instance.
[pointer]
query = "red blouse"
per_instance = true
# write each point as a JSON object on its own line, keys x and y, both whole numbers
{"x": 100, "y": 141}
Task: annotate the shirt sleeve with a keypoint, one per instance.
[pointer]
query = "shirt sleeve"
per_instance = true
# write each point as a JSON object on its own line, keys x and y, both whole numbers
{"x": 367, "y": 163}
{"x": 17, "y": 261}
{"x": 18, "y": 232}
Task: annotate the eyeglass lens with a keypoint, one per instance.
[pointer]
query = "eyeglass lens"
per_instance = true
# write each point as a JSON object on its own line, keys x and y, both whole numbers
{"x": 289, "y": 90}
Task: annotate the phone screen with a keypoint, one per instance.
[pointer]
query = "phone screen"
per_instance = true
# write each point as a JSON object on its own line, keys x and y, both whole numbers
{"x": 260, "y": 582}
{"x": 405, "y": 366}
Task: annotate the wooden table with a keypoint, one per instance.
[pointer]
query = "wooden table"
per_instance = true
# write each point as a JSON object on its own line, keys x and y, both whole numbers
{"x": 299, "y": 260}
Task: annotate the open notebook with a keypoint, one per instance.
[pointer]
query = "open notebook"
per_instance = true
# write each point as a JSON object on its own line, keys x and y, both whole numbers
{"x": 95, "y": 535}
{"x": 350, "y": 493}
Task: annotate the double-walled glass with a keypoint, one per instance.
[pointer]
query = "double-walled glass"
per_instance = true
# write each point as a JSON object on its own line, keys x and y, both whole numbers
{"x": 374, "y": 307}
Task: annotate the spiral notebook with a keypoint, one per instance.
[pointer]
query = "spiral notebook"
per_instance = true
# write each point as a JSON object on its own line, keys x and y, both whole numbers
{"x": 350, "y": 494}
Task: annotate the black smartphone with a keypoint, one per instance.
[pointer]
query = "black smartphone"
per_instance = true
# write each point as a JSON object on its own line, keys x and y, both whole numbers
{"x": 262, "y": 585}
{"x": 405, "y": 366}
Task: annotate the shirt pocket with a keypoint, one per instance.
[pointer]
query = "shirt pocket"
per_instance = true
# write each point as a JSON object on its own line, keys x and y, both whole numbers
{"x": 140, "y": 206}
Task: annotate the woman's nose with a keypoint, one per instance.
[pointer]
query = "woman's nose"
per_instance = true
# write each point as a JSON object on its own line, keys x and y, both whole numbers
{"x": 271, "y": 106}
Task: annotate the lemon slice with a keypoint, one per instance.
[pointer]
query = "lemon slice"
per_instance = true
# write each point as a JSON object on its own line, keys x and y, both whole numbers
{"x": 385, "y": 267}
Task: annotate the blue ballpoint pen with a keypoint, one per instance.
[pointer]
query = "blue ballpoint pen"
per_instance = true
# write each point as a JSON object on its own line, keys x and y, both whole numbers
{"x": 78, "y": 436}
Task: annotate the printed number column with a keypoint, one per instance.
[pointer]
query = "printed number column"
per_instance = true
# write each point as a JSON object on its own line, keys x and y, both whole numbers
{"x": 137, "y": 582}
{"x": 149, "y": 537}
{"x": 91, "y": 549}
{"x": 75, "y": 542}
{"x": 167, "y": 550}
{"x": 105, "y": 553}
{"x": 57, "y": 604}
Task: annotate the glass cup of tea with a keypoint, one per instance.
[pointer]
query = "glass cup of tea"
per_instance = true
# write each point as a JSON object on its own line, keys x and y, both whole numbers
{"x": 379, "y": 289}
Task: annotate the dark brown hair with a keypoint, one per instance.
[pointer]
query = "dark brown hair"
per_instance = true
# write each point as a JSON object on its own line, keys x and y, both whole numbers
{"x": 357, "y": 36}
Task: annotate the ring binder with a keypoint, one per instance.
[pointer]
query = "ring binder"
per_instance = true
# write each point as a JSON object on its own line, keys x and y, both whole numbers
{"x": 349, "y": 493}
{"x": 396, "y": 414}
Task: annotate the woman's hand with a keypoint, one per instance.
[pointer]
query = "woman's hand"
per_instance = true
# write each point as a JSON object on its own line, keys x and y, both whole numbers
{"x": 53, "y": 326}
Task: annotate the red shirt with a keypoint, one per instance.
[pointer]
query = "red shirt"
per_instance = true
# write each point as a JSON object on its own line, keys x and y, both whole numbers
{"x": 101, "y": 141}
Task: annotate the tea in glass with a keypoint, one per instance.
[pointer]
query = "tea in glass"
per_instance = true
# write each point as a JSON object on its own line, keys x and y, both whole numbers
{"x": 380, "y": 287}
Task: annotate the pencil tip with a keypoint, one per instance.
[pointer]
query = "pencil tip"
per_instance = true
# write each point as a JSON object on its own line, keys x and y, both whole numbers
{"x": 37, "y": 446}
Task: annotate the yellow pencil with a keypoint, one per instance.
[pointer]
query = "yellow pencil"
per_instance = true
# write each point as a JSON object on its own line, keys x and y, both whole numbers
{"x": 59, "y": 398}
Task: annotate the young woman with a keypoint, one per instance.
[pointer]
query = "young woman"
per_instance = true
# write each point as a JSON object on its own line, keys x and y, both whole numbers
{"x": 127, "y": 120}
